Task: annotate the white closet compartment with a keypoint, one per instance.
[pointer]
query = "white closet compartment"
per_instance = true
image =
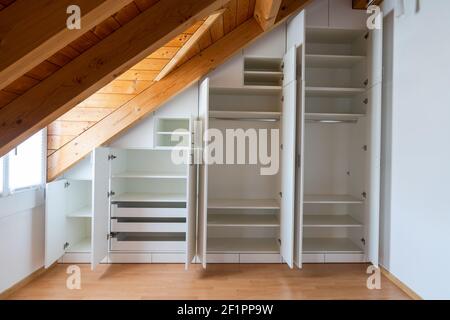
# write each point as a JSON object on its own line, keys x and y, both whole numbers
{"x": 149, "y": 210}
{"x": 148, "y": 225}
{"x": 172, "y": 133}
{"x": 261, "y": 71}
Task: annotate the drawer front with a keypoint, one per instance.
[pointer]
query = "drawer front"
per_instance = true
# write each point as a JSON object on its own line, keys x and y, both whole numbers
{"x": 168, "y": 257}
{"x": 259, "y": 258}
{"x": 344, "y": 258}
{"x": 222, "y": 258}
{"x": 147, "y": 245}
{"x": 129, "y": 258}
{"x": 313, "y": 258}
{"x": 117, "y": 212}
{"x": 147, "y": 226}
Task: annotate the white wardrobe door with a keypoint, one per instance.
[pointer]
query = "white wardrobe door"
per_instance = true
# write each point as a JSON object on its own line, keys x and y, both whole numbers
{"x": 373, "y": 171}
{"x": 288, "y": 154}
{"x": 290, "y": 66}
{"x": 191, "y": 218}
{"x": 203, "y": 113}
{"x": 375, "y": 55}
{"x": 100, "y": 218}
{"x": 55, "y": 221}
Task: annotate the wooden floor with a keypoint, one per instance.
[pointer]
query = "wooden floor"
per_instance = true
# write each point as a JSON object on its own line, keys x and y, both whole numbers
{"x": 171, "y": 281}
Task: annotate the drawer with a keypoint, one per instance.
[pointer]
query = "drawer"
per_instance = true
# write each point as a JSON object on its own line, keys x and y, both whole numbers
{"x": 344, "y": 258}
{"x": 313, "y": 258}
{"x": 126, "y": 212}
{"x": 168, "y": 258}
{"x": 129, "y": 258}
{"x": 222, "y": 258}
{"x": 148, "y": 242}
{"x": 259, "y": 258}
{"x": 134, "y": 225}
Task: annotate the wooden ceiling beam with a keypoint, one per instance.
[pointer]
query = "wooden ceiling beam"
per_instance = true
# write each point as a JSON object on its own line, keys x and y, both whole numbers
{"x": 364, "y": 4}
{"x": 98, "y": 66}
{"x": 32, "y": 31}
{"x": 266, "y": 12}
{"x": 189, "y": 44}
{"x": 159, "y": 93}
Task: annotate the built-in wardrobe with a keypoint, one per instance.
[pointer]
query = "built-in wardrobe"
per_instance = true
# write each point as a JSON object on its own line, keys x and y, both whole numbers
{"x": 309, "y": 94}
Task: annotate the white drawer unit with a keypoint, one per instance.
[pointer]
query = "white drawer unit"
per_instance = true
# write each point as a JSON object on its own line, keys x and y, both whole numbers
{"x": 119, "y": 211}
{"x": 148, "y": 225}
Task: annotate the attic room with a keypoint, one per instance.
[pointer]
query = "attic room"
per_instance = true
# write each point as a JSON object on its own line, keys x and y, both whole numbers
{"x": 224, "y": 150}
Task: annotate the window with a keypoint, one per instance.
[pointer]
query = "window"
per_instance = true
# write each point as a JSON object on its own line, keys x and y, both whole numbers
{"x": 25, "y": 164}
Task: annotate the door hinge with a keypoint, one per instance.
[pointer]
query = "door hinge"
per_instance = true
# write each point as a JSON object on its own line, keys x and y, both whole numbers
{"x": 282, "y": 98}
{"x": 366, "y": 101}
{"x": 364, "y": 194}
{"x": 66, "y": 245}
{"x": 66, "y": 185}
{"x": 282, "y": 66}
{"x": 111, "y": 193}
{"x": 279, "y": 241}
{"x": 363, "y": 241}
{"x": 111, "y": 157}
{"x": 281, "y": 194}
{"x": 366, "y": 36}
{"x": 111, "y": 235}
{"x": 281, "y": 146}
{"x": 366, "y": 82}
{"x": 364, "y": 147}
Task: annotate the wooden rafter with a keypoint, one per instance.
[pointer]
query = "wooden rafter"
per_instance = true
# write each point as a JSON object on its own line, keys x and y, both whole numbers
{"x": 32, "y": 31}
{"x": 160, "y": 92}
{"x": 98, "y": 66}
{"x": 266, "y": 12}
{"x": 364, "y": 4}
{"x": 189, "y": 44}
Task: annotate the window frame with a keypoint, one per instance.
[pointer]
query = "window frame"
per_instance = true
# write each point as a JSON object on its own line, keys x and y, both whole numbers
{"x": 7, "y": 191}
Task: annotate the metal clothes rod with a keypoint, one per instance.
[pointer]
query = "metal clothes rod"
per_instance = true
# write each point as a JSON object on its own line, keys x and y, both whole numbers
{"x": 331, "y": 121}
{"x": 247, "y": 119}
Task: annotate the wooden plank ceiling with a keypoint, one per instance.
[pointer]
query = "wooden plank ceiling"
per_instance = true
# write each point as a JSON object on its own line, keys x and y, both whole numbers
{"x": 141, "y": 76}
{"x": 136, "y": 91}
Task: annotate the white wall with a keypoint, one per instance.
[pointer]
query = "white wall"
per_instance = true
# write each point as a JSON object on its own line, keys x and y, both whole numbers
{"x": 21, "y": 236}
{"x": 418, "y": 251}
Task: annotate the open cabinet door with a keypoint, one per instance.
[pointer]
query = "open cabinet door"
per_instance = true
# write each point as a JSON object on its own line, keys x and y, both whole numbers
{"x": 373, "y": 172}
{"x": 288, "y": 155}
{"x": 55, "y": 221}
{"x": 100, "y": 205}
{"x": 203, "y": 113}
{"x": 191, "y": 218}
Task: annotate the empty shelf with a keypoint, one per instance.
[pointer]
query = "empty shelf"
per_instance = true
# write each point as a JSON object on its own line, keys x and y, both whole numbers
{"x": 154, "y": 175}
{"x": 83, "y": 245}
{"x": 247, "y": 90}
{"x": 244, "y": 115}
{"x": 85, "y": 212}
{"x": 333, "y": 117}
{"x": 328, "y": 35}
{"x": 330, "y": 245}
{"x": 324, "y": 199}
{"x": 243, "y": 204}
{"x": 149, "y": 197}
{"x": 330, "y": 221}
{"x": 332, "y": 61}
{"x": 237, "y": 220}
{"x": 333, "y": 91}
{"x": 240, "y": 245}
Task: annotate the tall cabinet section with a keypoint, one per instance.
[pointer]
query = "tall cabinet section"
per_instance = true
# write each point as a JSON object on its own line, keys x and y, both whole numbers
{"x": 338, "y": 144}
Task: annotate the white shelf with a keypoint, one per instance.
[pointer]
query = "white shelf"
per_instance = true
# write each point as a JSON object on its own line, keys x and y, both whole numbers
{"x": 174, "y": 133}
{"x": 243, "y": 204}
{"x": 247, "y": 90}
{"x": 333, "y": 91}
{"x": 331, "y": 199}
{"x": 85, "y": 212}
{"x": 330, "y": 221}
{"x": 242, "y": 245}
{"x": 330, "y": 245}
{"x": 244, "y": 115}
{"x": 331, "y": 117}
{"x": 149, "y": 175}
{"x": 82, "y": 246}
{"x": 243, "y": 220}
{"x": 262, "y": 64}
{"x": 148, "y": 197}
{"x": 332, "y": 61}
